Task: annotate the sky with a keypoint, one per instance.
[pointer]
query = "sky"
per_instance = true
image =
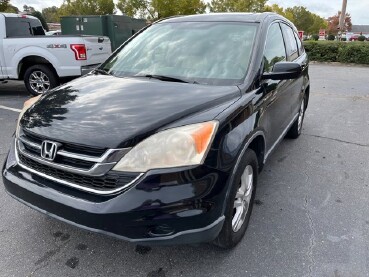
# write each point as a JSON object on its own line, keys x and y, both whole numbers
{"x": 325, "y": 8}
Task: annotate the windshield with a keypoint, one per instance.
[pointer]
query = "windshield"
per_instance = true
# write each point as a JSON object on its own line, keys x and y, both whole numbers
{"x": 214, "y": 53}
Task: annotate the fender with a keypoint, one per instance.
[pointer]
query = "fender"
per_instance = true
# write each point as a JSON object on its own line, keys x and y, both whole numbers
{"x": 30, "y": 51}
{"x": 246, "y": 145}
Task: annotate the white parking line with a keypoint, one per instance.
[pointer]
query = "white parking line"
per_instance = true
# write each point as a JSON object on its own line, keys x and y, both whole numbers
{"x": 10, "y": 109}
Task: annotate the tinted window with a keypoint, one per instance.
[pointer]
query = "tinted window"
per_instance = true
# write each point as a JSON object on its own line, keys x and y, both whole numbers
{"x": 214, "y": 53}
{"x": 299, "y": 43}
{"x": 274, "y": 48}
{"x": 23, "y": 27}
{"x": 291, "y": 44}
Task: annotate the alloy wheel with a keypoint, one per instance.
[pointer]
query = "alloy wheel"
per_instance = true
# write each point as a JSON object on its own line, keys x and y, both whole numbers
{"x": 39, "y": 82}
{"x": 243, "y": 198}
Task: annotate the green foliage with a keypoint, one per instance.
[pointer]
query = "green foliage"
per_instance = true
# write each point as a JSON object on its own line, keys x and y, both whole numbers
{"x": 12, "y": 9}
{"x": 315, "y": 37}
{"x": 166, "y": 8}
{"x": 41, "y": 18}
{"x": 157, "y": 9}
{"x": 4, "y": 5}
{"x": 304, "y": 20}
{"x": 331, "y": 37}
{"x": 86, "y": 7}
{"x": 136, "y": 8}
{"x": 237, "y": 5}
{"x": 51, "y": 14}
{"x": 361, "y": 38}
{"x": 334, "y": 51}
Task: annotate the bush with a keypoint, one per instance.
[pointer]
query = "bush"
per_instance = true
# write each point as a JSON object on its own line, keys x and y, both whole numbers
{"x": 315, "y": 37}
{"x": 331, "y": 37}
{"x": 335, "y": 51}
{"x": 343, "y": 39}
{"x": 361, "y": 38}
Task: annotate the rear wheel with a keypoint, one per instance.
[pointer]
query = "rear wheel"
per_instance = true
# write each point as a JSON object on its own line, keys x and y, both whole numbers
{"x": 296, "y": 128}
{"x": 39, "y": 79}
{"x": 240, "y": 202}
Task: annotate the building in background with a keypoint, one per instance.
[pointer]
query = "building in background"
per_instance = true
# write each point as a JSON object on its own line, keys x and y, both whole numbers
{"x": 358, "y": 30}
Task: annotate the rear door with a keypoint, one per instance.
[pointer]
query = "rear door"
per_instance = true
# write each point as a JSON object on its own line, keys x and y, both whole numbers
{"x": 294, "y": 54}
{"x": 98, "y": 49}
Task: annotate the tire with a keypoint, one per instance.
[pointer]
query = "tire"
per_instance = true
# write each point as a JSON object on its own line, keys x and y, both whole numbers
{"x": 39, "y": 79}
{"x": 295, "y": 131}
{"x": 232, "y": 233}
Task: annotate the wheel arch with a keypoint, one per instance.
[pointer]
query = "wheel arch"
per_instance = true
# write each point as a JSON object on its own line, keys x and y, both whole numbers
{"x": 256, "y": 142}
{"x": 32, "y": 60}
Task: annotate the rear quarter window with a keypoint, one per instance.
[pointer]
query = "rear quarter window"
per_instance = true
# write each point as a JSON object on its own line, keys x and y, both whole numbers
{"x": 23, "y": 27}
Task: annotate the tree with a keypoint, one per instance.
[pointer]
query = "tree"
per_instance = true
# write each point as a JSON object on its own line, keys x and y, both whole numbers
{"x": 28, "y": 9}
{"x": 12, "y": 9}
{"x": 333, "y": 23}
{"x": 87, "y": 7}
{"x": 275, "y": 8}
{"x": 4, "y": 5}
{"x": 301, "y": 17}
{"x": 51, "y": 14}
{"x": 319, "y": 23}
{"x": 41, "y": 18}
{"x": 237, "y": 5}
{"x": 156, "y": 9}
{"x": 166, "y": 8}
{"x": 136, "y": 8}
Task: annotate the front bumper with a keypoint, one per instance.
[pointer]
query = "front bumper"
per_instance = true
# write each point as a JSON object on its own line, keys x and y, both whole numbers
{"x": 173, "y": 207}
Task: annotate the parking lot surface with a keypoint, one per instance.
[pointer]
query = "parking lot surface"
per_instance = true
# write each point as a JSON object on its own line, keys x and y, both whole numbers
{"x": 311, "y": 214}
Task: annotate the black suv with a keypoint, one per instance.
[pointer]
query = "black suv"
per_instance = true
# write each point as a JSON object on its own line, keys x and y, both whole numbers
{"x": 163, "y": 143}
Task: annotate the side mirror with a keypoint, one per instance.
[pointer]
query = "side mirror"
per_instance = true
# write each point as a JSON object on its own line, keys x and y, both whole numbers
{"x": 284, "y": 71}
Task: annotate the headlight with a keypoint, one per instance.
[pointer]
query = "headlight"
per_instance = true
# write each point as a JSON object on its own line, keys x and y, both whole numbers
{"x": 26, "y": 106}
{"x": 181, "y": 146}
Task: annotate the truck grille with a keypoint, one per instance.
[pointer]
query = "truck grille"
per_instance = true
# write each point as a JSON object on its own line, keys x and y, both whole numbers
{"x": 82, "y": 167}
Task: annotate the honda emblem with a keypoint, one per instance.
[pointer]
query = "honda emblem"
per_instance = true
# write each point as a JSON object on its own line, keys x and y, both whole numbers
{"x": 49, "y": 150}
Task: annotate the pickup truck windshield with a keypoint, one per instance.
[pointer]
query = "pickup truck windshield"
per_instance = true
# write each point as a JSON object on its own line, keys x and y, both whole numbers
{"x": 23, "y": 27}
{"x": 214, "y": 53}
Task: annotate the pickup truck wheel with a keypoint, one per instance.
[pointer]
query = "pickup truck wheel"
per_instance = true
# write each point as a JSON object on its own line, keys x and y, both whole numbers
{"x": 240, "y": 202}
{"x": 296, "y": 128}
{"x": 40, "y": 79}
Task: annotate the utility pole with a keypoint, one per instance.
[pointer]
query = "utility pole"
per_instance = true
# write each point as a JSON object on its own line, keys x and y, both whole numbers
{"x": 343, "y": 16}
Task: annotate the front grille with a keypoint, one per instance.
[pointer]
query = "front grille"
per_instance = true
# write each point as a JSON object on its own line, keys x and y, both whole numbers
{"x": 82, "y": 167}
{"x": 107, "y": 182}
{"x": 78, "y": 149}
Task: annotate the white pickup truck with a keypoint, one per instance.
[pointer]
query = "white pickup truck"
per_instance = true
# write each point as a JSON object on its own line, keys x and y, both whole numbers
{"x": 44, "y": 61}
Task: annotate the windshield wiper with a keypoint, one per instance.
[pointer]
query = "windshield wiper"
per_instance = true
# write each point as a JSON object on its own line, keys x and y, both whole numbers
{"x": 101, "y": 71}
{"x": 163, "y": 78}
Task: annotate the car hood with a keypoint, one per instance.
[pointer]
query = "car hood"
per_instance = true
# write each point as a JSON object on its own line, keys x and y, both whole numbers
{"x": 110, "y": 112}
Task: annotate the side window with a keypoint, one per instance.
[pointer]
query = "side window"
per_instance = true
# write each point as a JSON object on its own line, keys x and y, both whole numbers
{"x": 16, "y": 27}
{"x": 299, "y": 43}
{"x": 274, "y": 48}
{"x": 23, "y": 27}
{"x": 291, "y": 44}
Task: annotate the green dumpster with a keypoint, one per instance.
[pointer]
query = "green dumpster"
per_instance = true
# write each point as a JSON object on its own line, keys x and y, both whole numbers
{"x": 117, "y": 27}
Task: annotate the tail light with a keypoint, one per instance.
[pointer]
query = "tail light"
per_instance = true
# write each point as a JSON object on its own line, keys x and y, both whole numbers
{"x": 79, "y": 51}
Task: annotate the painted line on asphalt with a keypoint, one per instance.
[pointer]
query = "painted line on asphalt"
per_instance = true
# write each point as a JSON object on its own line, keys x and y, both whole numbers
{"x": 10, "y": 109}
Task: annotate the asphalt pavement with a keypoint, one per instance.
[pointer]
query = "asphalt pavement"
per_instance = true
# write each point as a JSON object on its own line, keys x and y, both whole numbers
{"x": 311, "y": 214}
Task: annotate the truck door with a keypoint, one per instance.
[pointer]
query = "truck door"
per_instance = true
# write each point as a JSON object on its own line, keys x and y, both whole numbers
{"x": 2, "y": 60}
{"x": 2, "y": 63}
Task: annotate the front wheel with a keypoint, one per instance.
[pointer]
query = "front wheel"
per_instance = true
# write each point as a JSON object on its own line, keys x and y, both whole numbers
{"x": 240, "y": 202}
{"x": 39, "y": 79}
